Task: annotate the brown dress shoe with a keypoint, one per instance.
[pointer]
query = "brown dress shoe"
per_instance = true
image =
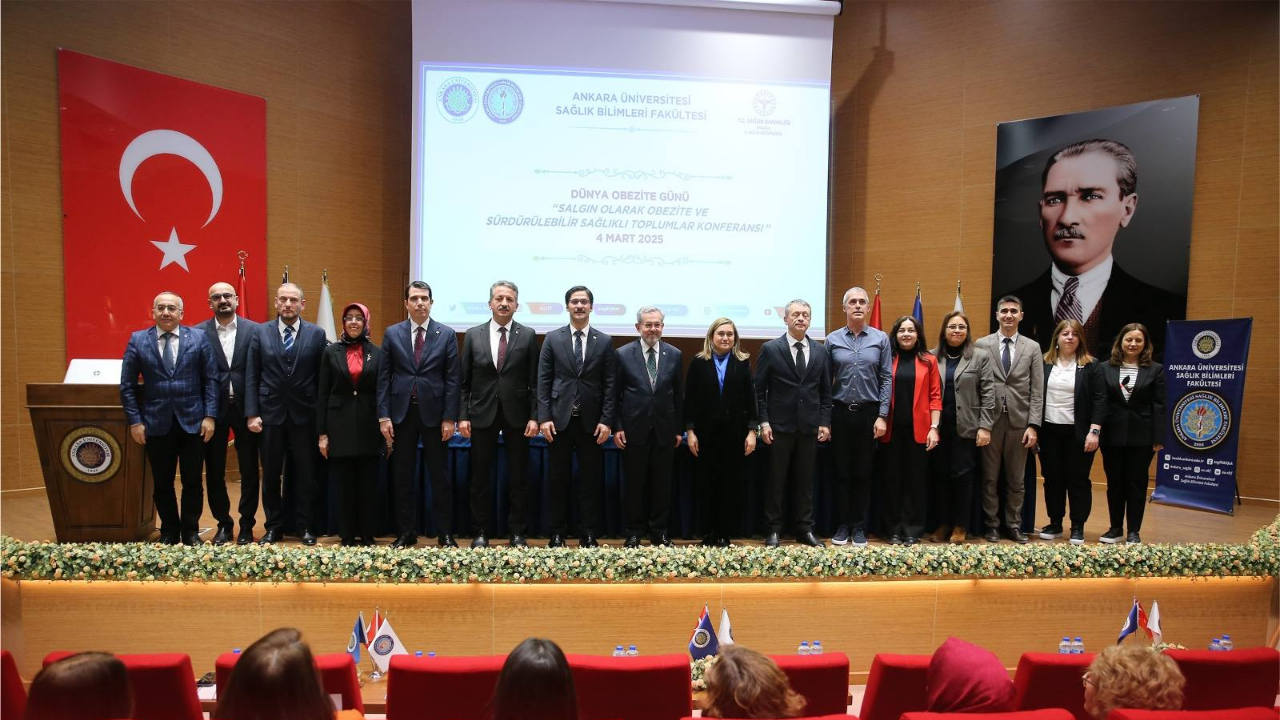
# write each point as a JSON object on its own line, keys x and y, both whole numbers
{"x": 958, "y": 535}
{"x": 939, "y": 535}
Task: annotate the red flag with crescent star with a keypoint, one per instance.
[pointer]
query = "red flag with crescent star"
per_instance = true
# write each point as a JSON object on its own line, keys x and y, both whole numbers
{"x": 164, "y": 184}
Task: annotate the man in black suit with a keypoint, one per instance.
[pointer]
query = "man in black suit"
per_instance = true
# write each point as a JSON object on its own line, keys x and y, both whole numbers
{"x": 650, "y": 399}
{"x": 418, "y": 400}
{"x": 229, "y": 335}
{"x": 499, "y": 381}
{"x": 793, "y": 397}
{"x": 1090, "y": 192}
{"x": 280, "y": 380}
{"x": 576, "y": 400}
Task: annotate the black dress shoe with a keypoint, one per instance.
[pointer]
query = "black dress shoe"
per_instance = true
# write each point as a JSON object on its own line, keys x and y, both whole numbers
{"x": 588, "y": 541}
{"x": 518, "y": 540}
{"x": 992, "y": 535}
{"x": 1017, "y": 536}
{"x": 660, "y": 540}
{"x": 223, "y": 536}
{"x": 349, "y": 542}
{"x": 368, "y": 542}
{"x": 446, "y": 540}
{"x": 245, "y": 537}
{"x": 710, "y": 541}
{"x": 811, "y": 540}
{"x": 722, "y": 541}
{"x": 271, "y": 537}
{"x": 909, "y": 540}
{"x": 308, "y": 537}
{"x": 169, "y": 538}
{"x": 406, "y": 540}
{"x": 557, "y": 541}
{"x": 480, "y": 541}
{"x": 771, "y": 540}
{"x": 191, "y": 538}
{"x": 633, "y": 541}
{"x": 895, "y": 539}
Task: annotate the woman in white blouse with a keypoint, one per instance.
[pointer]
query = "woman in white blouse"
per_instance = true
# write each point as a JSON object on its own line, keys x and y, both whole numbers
{"x": 1074, "y": 407}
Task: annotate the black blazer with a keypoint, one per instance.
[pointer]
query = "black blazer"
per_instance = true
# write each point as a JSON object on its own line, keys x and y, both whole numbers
{"x": 434, "y": 379}
{"x": 483, "y": 387}
{"x": 707, "y": 411}
{"x": 275, "y": 390}
{"x": 346, "y": 412}
{"x": 230, "y": 376}
{"x": 1090, "y": 399}
{"x": 1141, "y": 420}
{"x": 788, "y": 402}
{"x": 642, "y": 407}
{"x": 559, "y": 382}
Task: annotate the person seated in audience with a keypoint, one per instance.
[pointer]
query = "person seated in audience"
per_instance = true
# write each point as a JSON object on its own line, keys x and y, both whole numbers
{"x": 1132, "y": 676}
{"x": 87, "y": 686}
{"x": 743, "y": 683}
{"x": 535, "y": 684}
{"x": 275, "y": 679}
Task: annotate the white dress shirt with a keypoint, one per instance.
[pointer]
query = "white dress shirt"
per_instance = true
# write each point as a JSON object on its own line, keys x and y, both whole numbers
{"x": 803, "y": 349}
{"x": 644, "y": 353}
{"x": 227, "y": 338}
{"x": 1013, "y": 349}
{"x": 281, "y": 325}
{"x": 1060, "y": 394}
{"x": 494, "y": 337}
{"x": 586, "y": 335}
{"x": 1092, "y": 284}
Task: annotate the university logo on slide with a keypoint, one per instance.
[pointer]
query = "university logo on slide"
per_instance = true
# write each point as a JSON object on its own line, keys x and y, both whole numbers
{"x": 90, "y": 455}
{"x": 456, "y": 99}
{"x": 1201, "y": 420}
{"x": 503, "y": 101}
{"x": 1206, "y": 344}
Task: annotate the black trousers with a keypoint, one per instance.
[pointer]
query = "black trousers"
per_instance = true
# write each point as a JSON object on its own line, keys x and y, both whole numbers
{"x": 854, "y": 444}
{"x": 1126, "y": 467}
{"x": 484, "y": 455}
{"x": 791, "y": 461}
{"x": 576, "y": 436}
{"x": 173, "y": 452}
{"x": 215, "y": 470}
{"x": 357, "y": 480}
{"x": 300, "y": 442}
{"x": 952, "y": 465}
{"x": 404, "y": 462}
{"x": 646, "y": 466}
{"x": 905, "y": 500}
{"x": 1065, "y": 466}
{"x": 720, "y": 481}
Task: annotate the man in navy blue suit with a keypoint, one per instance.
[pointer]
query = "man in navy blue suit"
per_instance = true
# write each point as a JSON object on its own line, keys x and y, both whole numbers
{"x": 230, "y": 336}
{"x": 172, "y": 413}
{"x": 418, "y": 399}
{"x": 280, "y": 378}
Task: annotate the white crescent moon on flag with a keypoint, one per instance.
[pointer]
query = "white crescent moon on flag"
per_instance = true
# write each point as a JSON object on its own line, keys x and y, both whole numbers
{"x": 169, "y": 142}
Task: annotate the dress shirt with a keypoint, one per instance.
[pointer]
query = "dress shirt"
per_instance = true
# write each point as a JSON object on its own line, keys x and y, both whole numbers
{"x": 657, "y": 353}
{"x": 281, "y": 325}
{"x": 722, "y": 365}
{"x": 1060, "y": 394}
{"x": 863, "y": 367}
{"x": 494, "y": 337}
{"x": 1092, "y": 284}
{"x": 1013, "y": 348}
{"x": 804, "y": 348}
{"x": 227, "y": 338}
{"x": 586, "y": 335}
{"x": 177, "y": 333}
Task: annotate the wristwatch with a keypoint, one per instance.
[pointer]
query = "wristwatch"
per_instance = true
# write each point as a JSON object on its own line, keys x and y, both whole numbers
{"x": 1094, "y": 431}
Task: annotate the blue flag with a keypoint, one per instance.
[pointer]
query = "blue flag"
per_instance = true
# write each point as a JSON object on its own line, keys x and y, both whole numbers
{"x": 1130, "y": 623}
{"x": 704, "y": 641}
{"x": 917, "y": 312}
{"x": 357, "y": 639}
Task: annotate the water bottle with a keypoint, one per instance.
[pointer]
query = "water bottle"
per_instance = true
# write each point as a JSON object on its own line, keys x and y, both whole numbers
{"x": 1064, "y": 647}
{"x": 431, "y": 654}
{"x": 618, "y": 652}
{"x": 804, "y": 648}
{"x": 1226, "y": 642}
{"x": 1077, "y": 646}
{"x": 817, "y": 648}
{"x": 1216, "y": 644}
{"x": 417, "y": 653}
{"x": 235, "y": 651}
{"x": 631, "y": 651}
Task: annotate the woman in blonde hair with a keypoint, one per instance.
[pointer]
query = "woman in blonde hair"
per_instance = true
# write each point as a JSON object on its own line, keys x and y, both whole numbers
{"x": 745, "y": 684}
{"x": 1132, "y": 676}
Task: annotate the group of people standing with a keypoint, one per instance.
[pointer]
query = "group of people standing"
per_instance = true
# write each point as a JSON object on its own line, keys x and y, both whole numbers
{"x": 917, "y": 418}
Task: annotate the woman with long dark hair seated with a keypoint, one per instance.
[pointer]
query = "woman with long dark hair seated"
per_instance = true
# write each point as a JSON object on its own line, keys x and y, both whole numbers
{"x": 275, "y": 679}
{"x": 535, "y": 684}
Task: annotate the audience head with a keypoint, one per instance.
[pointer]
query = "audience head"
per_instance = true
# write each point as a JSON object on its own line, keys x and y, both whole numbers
{"x": 1132, "y": 676}
{"x": 535, "y": 684}
{"x": 275, "y": 679}
{"x": 87, "y": 686}
{"x": 743, "y": 683}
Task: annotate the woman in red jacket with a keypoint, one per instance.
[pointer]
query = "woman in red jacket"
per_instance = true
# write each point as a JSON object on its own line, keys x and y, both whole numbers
{"x": 915, "y": 408}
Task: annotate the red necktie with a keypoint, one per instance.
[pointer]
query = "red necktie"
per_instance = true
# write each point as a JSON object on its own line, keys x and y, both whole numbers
{"x": 502, "y": 347}
{"x": 418, "y": 342}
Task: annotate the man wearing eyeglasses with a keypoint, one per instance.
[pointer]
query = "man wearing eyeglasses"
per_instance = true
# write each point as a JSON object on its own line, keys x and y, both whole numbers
{"x": 229, "y": 335}
{"x": 172, "y": 412}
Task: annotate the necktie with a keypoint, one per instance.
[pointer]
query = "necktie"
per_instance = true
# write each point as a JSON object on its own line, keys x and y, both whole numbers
{"x": 1004, "y": 354}
{"x": 577, "y": 351}
{"x": 1069, "y": 304}
{"x": 288, "y": 339}
{"x": 419, "y": 340}
{"x": 169, "y": 360}
{"x": 800, "y": 363}
{"x": 502, "y": 347}
{"x": 652, "y": 365}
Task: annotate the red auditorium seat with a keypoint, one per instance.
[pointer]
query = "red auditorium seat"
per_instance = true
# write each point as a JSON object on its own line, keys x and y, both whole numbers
{"x": 13, "y": 695}
{"x": 840, "y": 716}
{"x": 1052, "y": 680}
{"x": 1250, "y": 713}
{"x": 337, "y": 676}
{"x": 823, "y": 680}
{"x": 895, "y": 685}
{"x": 441, "y": 688}
{"x": 1041, "y": 714}
{"x": 164, "y": 686}
{"x": 1248, "y": 677}
{"x": 648, "y": 687}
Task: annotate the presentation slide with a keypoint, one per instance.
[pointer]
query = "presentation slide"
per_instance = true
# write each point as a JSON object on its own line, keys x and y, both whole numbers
{"x": 700, "y": 196}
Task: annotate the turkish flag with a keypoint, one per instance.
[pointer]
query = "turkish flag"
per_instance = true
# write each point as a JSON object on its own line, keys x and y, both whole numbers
{"x": 164, "y": 182}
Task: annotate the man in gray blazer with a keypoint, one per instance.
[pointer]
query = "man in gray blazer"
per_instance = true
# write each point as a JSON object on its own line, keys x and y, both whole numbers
{"x": 650, "y": 400}
{"x": 1019, "y": 394}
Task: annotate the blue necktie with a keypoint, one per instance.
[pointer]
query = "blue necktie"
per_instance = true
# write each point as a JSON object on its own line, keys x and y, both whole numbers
{"x": 288, "y": 340}
{"x": 577, "y": 351}
{"x": 170, "y": 361}
{"x": 1004, "y": 355}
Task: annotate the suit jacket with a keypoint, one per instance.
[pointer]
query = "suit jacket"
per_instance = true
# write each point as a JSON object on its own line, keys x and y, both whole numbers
{"x": 230, "y": 375}
{"x": 484, "y": 388}
{"x": 559, "y": 381}
{"x": 1089, "y": 404}
{"x": 926, "y": 396}
{"x": 188, "y": 393}
{"x": 975, "y": 391}
{"x": 788, "y": 402}
{"x": 1021, "y": 390}
{"x": 435, "y": 380}
{"x": 1140, "y": 420}
{"x": 275, "y": 390}
{"x": 709, "y": 411}
{"x": 1125, "y": 300}
{"x": 345, "y": 411}
{"x": 643, "y": 407}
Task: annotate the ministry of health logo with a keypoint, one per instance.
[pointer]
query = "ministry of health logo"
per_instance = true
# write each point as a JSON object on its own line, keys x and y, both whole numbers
{"x": 1206, "y": 344}
{"x": 764, "y": 103}
{"x": 457, "y": 99}
{"x": 503, "y": 101}
{"x": 1201, "y": 420}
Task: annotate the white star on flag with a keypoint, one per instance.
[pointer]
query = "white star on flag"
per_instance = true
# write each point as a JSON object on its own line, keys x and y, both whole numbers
{"x": 174, "y": 251}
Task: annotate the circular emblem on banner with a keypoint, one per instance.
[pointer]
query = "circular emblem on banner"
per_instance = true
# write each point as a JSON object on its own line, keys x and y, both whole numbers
{"x": 764, "y": 103}
{"x": 456, "y": 99}
{"x": 503, "y": 101}
{"x": 1206, "y": 344}
{"x": 701, "y": 638}
{"x": 90, "y": 454}
{"x": 384, "y": 645}
{"x": 1201, "y": 420}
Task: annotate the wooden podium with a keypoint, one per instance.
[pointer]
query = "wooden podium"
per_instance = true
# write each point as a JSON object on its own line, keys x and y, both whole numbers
{"x": 97, "y": 478}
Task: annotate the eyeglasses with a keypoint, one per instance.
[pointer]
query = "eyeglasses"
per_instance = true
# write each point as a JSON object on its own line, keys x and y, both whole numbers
{"x": 353, "y": 318}
{"x": 957, "y": 327}
{"x": 221, "y": 296}
{"x": 168, "y": 308}
{"x": 1085, "y": 679}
